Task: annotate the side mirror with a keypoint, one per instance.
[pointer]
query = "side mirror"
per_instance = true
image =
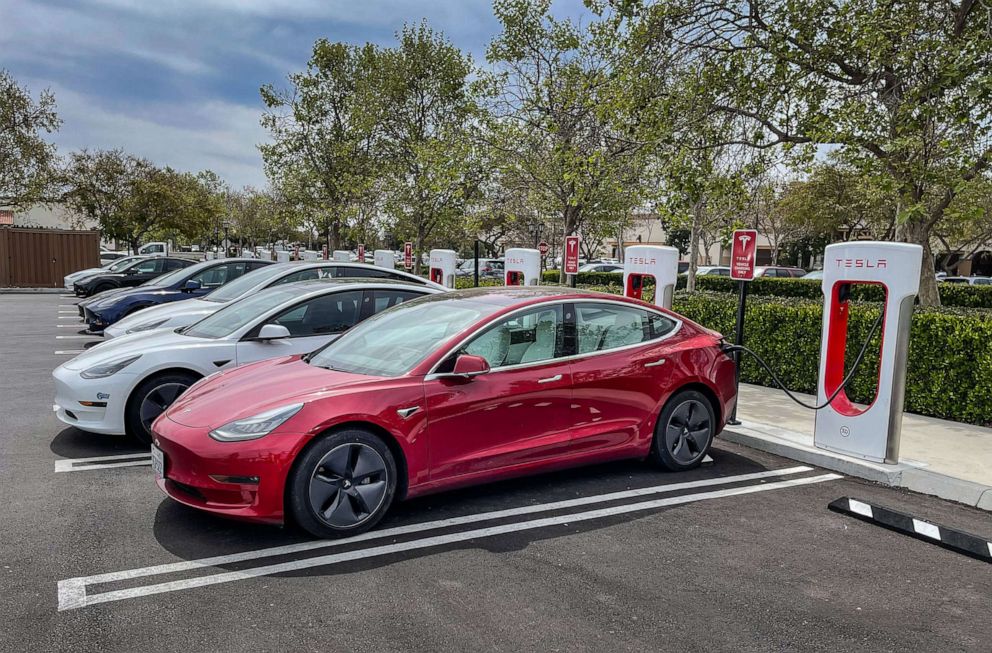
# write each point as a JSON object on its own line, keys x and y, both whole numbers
{"x": 273, "y": 332}
{"x": 467, "y": 366}
{"x": 191, "y": 285}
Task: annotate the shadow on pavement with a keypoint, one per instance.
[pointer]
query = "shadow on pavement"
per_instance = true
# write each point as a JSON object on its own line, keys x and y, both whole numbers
{"x": 73, "y": 443}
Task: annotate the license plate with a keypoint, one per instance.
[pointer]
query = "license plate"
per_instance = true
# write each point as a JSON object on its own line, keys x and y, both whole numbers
{"x": 158, "y": 462}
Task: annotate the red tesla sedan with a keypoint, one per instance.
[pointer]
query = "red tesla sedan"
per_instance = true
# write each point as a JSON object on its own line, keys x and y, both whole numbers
{"x": 453, "y": 389}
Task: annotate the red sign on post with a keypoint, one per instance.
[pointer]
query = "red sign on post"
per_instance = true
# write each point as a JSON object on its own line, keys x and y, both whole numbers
{"x": 571, "y": 254}
{"x": 543, "y": 248}
{"x": 408, "y": 255}
{"x": 296, "y": 252}
{"x": 323, "y": 253}
{"x": 742, "y": 254}
{"x": 361, "y": 253}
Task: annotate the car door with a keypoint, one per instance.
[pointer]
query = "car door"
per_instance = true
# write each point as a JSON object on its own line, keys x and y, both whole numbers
{"x": 515, "y": 414}
{"x": 620, "y": 374}
{"x": 311, "y": 323}
{"x": 144, "y": 271}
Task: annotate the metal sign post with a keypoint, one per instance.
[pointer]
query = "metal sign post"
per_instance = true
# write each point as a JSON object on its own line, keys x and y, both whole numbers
{"x": 743, "y": 252}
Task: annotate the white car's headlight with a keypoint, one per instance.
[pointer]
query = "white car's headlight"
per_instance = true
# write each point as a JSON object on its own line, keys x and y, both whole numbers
{"x": 147, "y": 326}
{"x": 108, "y": 369}
{"x": 256, "y": 426}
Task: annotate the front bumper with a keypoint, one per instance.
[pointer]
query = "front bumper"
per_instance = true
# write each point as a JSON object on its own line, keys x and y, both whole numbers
{"x": 241, "y": 480}
{"x": 95, "y": 322}
{"x": 111, "y": 392}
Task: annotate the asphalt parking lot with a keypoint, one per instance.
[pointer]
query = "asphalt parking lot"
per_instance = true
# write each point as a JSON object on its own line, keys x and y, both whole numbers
{"x": 741, "y": 554}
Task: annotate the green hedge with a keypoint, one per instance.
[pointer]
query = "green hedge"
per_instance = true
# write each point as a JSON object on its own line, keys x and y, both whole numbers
{"x": 950, "y": 351}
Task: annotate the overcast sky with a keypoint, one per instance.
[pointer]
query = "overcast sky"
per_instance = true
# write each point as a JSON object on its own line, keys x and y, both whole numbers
{"x": 177, "y": 81}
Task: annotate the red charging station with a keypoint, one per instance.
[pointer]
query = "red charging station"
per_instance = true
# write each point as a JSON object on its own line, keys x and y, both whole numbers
{"x": 442, "y": 268}
{"x": 657, "y": 262}
{"x": 522, "y": 267}
{"x": 871, "y": 433}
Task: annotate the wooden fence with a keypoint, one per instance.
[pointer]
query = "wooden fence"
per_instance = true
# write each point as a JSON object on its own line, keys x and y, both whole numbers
{"x": 40, "y": 258}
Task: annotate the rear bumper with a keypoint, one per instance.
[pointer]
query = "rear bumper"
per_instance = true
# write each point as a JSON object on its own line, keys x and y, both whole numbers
{"x": 241, "y": 480}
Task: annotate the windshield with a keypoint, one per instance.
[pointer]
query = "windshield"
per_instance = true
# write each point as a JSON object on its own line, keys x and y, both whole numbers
{"x": 231, "y": 291}
{"x": 168, "y": 279}
{"x": 239, "y": 314}
{"x": 393, "y": 342}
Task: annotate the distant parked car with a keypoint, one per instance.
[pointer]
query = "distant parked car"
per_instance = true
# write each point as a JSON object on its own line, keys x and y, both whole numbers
{"x": 134, "y": 274}
{"x": 971, "y": 281}
{"x": 109, "y": 266}
{"x": 713, "y": 271}
{"x": 602, "y": 267}
{"x": 109, "y": 257}
{"x": 779, "y": 272}
{"x": 488, "y": 267}
{"x": 815, "y": 274}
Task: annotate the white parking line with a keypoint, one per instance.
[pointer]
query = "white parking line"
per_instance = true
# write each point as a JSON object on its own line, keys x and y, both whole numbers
{"x": 70, "y": 326}
{"x": 80, "y": 337}
{"x": 68, "y": 312}
{"x": 71, "y": 317}
{"x": 72, "y": 592}
{"x": 102, "y": 462}
{"x": 68, "y": 306}
{"x": 68, "y": 352}
{"x": 67, "y": 297}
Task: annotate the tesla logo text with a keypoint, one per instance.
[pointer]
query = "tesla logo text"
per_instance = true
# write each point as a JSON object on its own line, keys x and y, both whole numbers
{"x": 642, "y": 260}
{"x": 861, "y": 263}
{"x": 515, "y": 260}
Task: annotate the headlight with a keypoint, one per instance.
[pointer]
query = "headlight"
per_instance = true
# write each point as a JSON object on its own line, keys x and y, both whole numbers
{"x": 107, "y": 369}
{"x": 148, "y": 326}
{"x": 251, "y": 428}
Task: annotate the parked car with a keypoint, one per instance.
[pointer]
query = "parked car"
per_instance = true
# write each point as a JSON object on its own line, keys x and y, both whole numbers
{"x": 778, "y": 271}
{"x": 488, "y": 267}
{"x": 184, "y": 283}
{"x": 971, "y": 281}
{"x": 136, "y": 273}
{"x": 449, "y": 390}
{"x": 111, "y": 266}
{"x": 107, "y": 256}
{"x": 602, "y": 267}
{"x": 121, "y": 386}
{"x": 182, "y": 313}
{"x": 713, "y": 270}
{"x": 815, "y": 274}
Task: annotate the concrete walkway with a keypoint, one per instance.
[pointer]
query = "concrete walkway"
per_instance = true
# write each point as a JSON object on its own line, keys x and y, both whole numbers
{"x": 948, "y": 459}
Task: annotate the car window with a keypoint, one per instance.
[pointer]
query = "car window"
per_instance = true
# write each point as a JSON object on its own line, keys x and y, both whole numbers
{"x": 332, "y": 313}
{"x": 307, "y": 275}
{"x": 387, "y": 298}
{"x": 528, "y": 337}
{"x": 219, "y": 274}
{"x": 149, "y": 266}
{"x": 600, "y": 327}
{"x": 983, "y": 282}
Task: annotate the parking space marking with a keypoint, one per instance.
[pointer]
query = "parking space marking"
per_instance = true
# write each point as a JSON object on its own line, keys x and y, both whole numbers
{"x": 102, "y": 462}
{"x": 80, "y": 337}
{"x": 72, "y": 592}
{"x": 69, "y": 352}
{"x": 70, "y": 326}
{"x": 68, "y": 306}
{"x": 67, "y": 297}
{"x": 74, "y": 316}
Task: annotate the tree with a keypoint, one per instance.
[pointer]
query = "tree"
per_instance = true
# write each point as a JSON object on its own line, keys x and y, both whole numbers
{"x": 27, "y": 160}
{"x": 901, "y": 88}
{"x": 98, "y": 185}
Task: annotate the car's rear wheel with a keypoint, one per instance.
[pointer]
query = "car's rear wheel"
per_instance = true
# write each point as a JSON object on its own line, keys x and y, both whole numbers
{"x": 684, "y": 431}
{"x": 150, "y": 399}
{"x": 343, "y": 484}
{"x": 102, "y": 287}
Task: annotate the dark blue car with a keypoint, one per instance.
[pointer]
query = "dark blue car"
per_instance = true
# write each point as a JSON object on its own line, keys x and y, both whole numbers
{"x": 193, "y": 281}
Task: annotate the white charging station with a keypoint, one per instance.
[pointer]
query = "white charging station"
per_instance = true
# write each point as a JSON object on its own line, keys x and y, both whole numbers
{"x": 383, "y": 258}
{"x": 341, "y": 256}
{"x": 443, "y": 263}
{"x": 657, "y": 262}
{"x": 522, "y": 267}
{"x": 870, "y": 433}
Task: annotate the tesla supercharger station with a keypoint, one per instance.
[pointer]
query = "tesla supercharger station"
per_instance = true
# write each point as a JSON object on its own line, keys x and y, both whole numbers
{"x": 443, "y": 262}
{"x": 384, "y": 258}
{"x": 341, "y": 256}
{"x": 522, "y": 267}
{"x": 657, "y": 262}
{"x": 870, "y": 433}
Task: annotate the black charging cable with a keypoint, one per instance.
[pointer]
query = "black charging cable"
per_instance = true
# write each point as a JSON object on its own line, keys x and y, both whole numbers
{"x": 850, "y": 375}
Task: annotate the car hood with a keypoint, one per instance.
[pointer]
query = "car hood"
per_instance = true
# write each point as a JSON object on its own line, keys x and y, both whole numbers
{"x": 180, "y": 313}
{"x": 76, "y": 276}
{"x": 106, "y": 294}
{"x": 253, "y": 389}
{"x": 151, "y": 292}
{"x": 128, "y": 345}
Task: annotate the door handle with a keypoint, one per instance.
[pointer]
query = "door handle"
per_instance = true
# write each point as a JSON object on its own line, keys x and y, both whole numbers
{"x": 660, "y": 361}
{"x": 550, "y": 379}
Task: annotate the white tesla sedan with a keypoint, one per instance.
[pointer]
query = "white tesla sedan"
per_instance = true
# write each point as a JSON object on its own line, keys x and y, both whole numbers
{"x": 121, "y": 386}
{"x": 188, "y": 311}
{"x": 109, "y": 266}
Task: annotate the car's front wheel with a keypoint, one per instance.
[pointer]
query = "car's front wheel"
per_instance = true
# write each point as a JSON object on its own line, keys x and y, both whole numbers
{"x": 150, "y": 399}
{"x": 684, "y": 431}
{"x": 343, "y": 484}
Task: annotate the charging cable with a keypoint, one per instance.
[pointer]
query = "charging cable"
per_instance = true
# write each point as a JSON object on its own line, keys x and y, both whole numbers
{"x": 850, "y": 375}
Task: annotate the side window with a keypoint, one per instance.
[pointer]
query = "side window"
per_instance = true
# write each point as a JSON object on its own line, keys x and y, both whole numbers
{"x": 529, "y": 337}
{"x": 325, "y": 315}
{"x": 151, "y": 265}
{"x": 383, "y": 298}
{"x": 607, "y": 326}
{"x": 254, "y": 265}
{"x": 175, "y": 264}
{"x": 306, "y": 275}
{"x": 362, "y": 273}
{"x": 219, "y": 274}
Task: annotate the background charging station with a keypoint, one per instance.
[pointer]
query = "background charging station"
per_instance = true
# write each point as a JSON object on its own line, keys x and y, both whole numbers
{"x": 342, "y": 256}
{"x": 443, "y": 263}
{"x": 871, "y": 433}
{"x": 642, "y": 262}
{"x": 384, "y": 258}
{"x": 522, "y": 267}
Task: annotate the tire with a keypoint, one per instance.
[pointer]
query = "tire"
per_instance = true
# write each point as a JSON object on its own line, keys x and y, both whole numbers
{"x": 150, "y": 399}
{"x": 102, "y": 288}
{"x": 684, "y": 431}
{"x": 342, "y": 485}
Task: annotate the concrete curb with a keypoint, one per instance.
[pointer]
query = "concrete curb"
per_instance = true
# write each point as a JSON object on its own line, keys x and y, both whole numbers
{"x": 34, "y": 291}
{"x": 911, "y": 475}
